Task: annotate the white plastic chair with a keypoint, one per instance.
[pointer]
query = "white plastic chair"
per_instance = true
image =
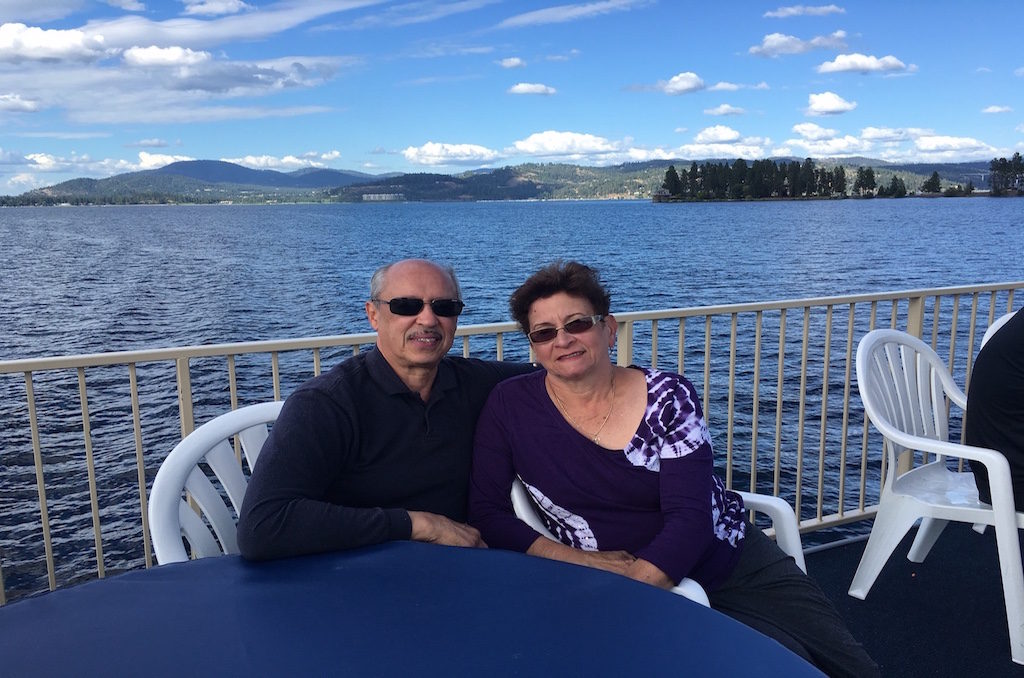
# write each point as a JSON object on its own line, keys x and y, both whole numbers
{"x": 994, "y": 327}
{"x": 171, "y": 517}
{"x": 904, "y": 385}
{"x": 787, "y": 531}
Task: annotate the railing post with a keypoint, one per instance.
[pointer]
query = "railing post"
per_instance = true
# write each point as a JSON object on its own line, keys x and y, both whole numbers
{"x": 624, "y": 348}
{"x": 185, "y": 396}
{"x": 915, "y": 327}
{"x": 915, "y": 316}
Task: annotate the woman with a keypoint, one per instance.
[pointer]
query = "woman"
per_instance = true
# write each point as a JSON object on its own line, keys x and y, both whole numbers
{"x": 619, "y": 462}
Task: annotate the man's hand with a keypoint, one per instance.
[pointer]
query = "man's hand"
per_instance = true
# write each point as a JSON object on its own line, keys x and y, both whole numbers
{"x": 437, "y": 529}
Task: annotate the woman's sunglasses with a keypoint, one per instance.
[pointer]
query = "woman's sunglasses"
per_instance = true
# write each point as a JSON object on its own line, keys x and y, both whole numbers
{"x": 578, "y": 326}
{"x": 443, "y": 308}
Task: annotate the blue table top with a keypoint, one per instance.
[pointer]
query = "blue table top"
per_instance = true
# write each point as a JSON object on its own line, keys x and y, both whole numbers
{"x": 397, "y": 609}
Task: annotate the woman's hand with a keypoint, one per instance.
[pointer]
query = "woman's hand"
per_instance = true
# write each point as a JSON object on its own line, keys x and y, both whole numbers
{"x": 618, "y": 562}
{"x": 648, "y": 573}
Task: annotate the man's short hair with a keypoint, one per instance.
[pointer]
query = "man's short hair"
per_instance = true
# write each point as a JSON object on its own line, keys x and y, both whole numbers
{"x": 377, "y": 279}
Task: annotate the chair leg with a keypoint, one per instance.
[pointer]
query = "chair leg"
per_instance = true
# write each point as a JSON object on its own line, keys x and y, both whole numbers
{"x": 927, "y": 534}
{"x": 1008, "y": 545}
{"x": 891, "y": 524}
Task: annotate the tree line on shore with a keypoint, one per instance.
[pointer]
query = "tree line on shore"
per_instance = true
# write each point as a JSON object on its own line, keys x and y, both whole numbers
{"x": 1007, "y": 175}
{"x": 765, "y": 179}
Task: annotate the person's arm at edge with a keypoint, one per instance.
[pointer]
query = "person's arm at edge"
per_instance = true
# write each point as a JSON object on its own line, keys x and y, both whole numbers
{"x": 282, "y": 515}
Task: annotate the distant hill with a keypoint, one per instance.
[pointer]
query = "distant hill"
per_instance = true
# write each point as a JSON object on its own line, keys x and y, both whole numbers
{"x": 211, "y": 181}
{"x": 220, "y": 172}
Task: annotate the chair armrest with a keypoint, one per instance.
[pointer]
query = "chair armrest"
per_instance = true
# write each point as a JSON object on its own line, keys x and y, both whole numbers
{"x": 787, "y": 528}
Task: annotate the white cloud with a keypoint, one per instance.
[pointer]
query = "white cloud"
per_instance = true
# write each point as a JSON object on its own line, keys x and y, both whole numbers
{"x": 938, "y": 144}
{"x": 682, "y": 83}
{"x": 717, "y": 134}
{"x": 803, "y": 10}
{"x": 20, "y": 183}
{"x": 571, "y": 54}
{"x": 15, "y": 102}
{"x": 1019, "y": 72}
{"x": 565, "y": 13}
{"x": 996, "y": 109}
{"x": 19, "y": 42}
{"x": 286, "y": 163}
{"x": 573, "y": 144}
{"x": 939, "y": 148}
{"x": 39, "y": 10}
{"x": 148, "y": 161}
{"x": 862, "y": 63}
{"x": 884, "y": 134}
{"x": 531, "y": 88}
{"x": 127, "y": 5}
{"x": 433, "y": 153}
{"x": 511, "y": 62}
{"x": 750, "y": 149}
{"x": 1020, "y": 128}
{"x": 832, "y": 146}
{"x": 214, "y": 7}
{"x": 812, "y": 132}
{"x": 775, "y": 44}
{"x": 150, "y": 143}
{"x": 164, "y": 56}
{"x": 724, "y": 87}
{"x": 828, "y": 103}
{"x": 724, "y": 109}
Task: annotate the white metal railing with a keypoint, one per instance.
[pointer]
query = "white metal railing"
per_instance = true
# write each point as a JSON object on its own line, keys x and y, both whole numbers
{"x": 81, "y": 436}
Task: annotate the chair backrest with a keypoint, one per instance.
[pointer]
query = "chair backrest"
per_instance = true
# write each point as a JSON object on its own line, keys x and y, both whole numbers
{"x": 171, "y": 517}
{"x": 994, "y": 327}
{"x": 904, "y": 384}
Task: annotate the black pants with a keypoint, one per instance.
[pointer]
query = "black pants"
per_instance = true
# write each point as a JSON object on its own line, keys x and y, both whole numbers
{"x": 768, "y": 592}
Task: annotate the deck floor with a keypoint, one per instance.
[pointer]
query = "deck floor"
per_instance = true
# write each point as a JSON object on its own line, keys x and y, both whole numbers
{"x": 942, "y": 617}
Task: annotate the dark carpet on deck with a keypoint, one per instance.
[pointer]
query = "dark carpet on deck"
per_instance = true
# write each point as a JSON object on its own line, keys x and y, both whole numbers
{"x": 942, "y": 617}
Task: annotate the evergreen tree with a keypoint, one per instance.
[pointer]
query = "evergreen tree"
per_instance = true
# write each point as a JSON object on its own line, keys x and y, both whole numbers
{"x": 738, "y": 180}
{"x": 839, "y": 180}
{"x": 672, "y": 184}
{"x": 932, "y": 185}
{"x": 807, "y": 182}
{"x": 869, "y": 178}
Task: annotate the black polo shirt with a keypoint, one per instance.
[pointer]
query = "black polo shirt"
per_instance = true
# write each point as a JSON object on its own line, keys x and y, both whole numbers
{"x": 995, "y": 405}
{"x": 355, "y": 449}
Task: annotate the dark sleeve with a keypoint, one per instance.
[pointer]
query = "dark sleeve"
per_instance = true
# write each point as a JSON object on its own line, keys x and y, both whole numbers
{"x": 285, "y": 511}
{"x": 490, "y": 485}
{"x": 688, "y": 528}
{"x": 685, "y": 485}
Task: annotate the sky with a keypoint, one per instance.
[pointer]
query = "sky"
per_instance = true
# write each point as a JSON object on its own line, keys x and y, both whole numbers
{"x": 93, "y": 88}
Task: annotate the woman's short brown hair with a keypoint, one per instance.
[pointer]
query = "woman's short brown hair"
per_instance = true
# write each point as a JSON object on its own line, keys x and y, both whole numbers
{"x": 571, "y": 277}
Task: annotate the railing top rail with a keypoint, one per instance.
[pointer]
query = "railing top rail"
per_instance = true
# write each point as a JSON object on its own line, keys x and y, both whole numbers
{"x": 305, "y": 343}
{"x": 724, "y": 309}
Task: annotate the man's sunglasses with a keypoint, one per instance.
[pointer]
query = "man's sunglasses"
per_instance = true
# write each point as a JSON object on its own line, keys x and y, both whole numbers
{"x": 443, "y": 308}
{"x": 578, "y": 326}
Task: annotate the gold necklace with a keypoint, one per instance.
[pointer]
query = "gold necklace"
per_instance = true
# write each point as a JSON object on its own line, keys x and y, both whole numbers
{"x": 596, "y": 438}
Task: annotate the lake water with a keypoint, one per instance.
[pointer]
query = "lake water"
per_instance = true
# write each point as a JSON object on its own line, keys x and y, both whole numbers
{"x": 78, "y": 280}
{"x": 83, "y": 280}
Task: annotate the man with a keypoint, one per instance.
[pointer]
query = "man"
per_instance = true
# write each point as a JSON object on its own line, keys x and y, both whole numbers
{"x": 995, "y": 405}
{"x": 379, "y": 447}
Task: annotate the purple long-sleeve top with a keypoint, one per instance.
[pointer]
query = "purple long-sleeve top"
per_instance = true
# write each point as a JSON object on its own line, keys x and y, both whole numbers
{"x": 658, "y": 498}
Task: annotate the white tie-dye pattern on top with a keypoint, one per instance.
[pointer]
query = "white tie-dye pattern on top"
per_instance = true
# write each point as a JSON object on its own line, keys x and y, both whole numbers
{"x": 564, "y": 525}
